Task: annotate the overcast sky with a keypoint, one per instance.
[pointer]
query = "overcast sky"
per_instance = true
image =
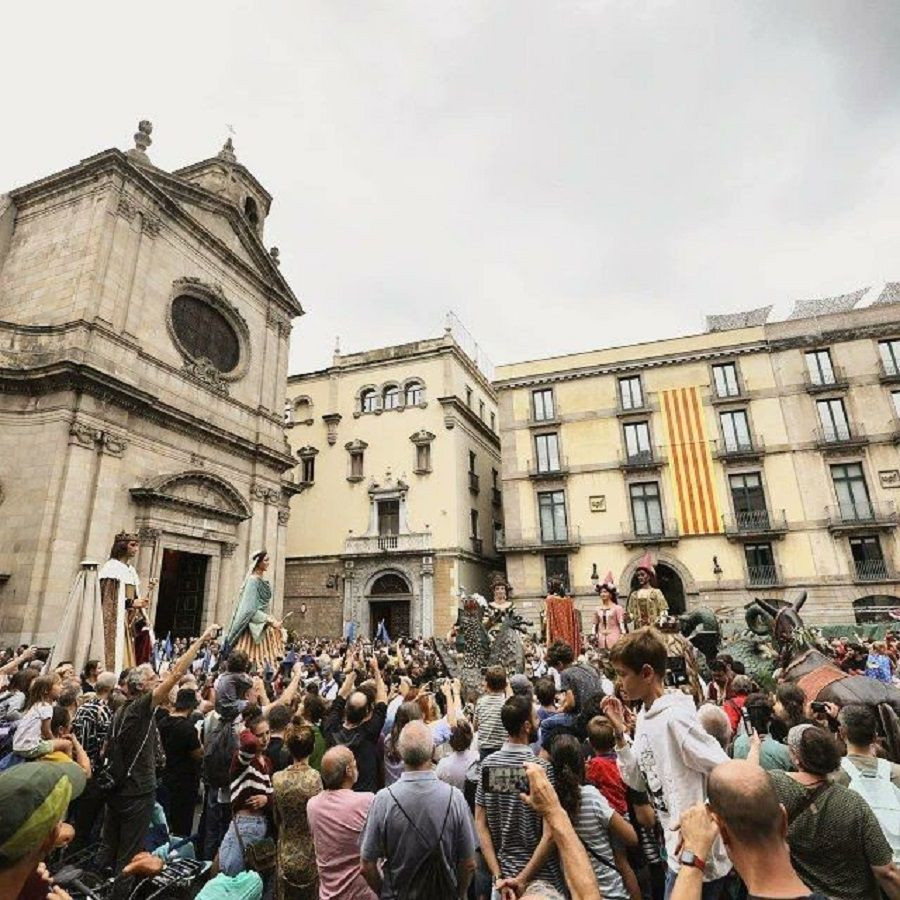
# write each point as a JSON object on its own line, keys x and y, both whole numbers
{"x": 563, "y": 175}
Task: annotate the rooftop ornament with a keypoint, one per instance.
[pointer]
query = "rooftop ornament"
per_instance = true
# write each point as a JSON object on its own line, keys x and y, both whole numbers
{"x": 142, "y": 141}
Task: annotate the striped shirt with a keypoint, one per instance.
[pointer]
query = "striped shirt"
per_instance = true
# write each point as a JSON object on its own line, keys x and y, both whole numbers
{"x": 90, "y": 726}
{"x": 251, "y": 778}
{"x": 491, "y": 733}
{"x": 515, "y": 828}
{"x": 592, "y": 826}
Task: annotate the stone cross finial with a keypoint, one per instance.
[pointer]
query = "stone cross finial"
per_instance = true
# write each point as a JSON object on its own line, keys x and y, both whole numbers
{"x": 275, "y": 254}
{"x": 227, "y": 151}
{"x": 142, "y": 141}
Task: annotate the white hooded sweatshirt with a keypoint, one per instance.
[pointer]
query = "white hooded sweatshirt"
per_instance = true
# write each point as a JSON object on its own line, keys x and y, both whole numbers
{"x": 670, "y": 759}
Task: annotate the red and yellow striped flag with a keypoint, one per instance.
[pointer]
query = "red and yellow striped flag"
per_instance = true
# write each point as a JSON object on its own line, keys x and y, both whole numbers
{"x": 690, "y": 462}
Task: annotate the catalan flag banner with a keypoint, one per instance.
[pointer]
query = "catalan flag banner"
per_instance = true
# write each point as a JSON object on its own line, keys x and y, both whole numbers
{"x": 690, "y": 462}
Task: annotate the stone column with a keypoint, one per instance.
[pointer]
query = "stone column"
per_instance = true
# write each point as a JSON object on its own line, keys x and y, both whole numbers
{"x": 226, "y": 595}
{"x": 427, "y": 599}
{"x": 349, "y": 604}
{"x": 282, "y": 516}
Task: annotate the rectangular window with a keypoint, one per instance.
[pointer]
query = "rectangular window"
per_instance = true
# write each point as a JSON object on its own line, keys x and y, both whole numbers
{"x": 494, "y": 476}
{"x": 748, "y": 500}
{"x": 852, "y": 492}
{"x": 556, "y": 568}
{"x": 369, "y": 401}
{"x": 637, "y": 441}
{"x": 388, "y": 517}
{"x": 630, "y": 394}
{"x": 552, "y": 508}
{"x": 481, "y": 410}
{"x": 890, "y": 356}
{"x": 493, "y": 422}
{"x": 735, "y": 430}
{"x": 895, "y": 397}
{"x": 546, "y": 447}
{"x": 761, "y": 570}
{"x": 833, "y": 420}
{"x": 472, "y": 459}
{"x": 726, "y": 380}
{"x": 473, "y": 523}
{"x": 819, "y": 367}
{"x": 356, "y": 464}
{"x": 646, "y": 508}
{"x": 868, "y": 560}
{"x": 542, "y": 405}
{"x": 423, "y": 458}
{"x": 309, "y": 470}
{"x": 469, "y": 397}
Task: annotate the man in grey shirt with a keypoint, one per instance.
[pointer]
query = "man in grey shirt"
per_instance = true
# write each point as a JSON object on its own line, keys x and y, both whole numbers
{"x": 403, "y": 843}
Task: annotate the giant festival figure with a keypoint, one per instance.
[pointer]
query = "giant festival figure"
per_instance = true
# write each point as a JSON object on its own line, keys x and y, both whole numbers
{"x": 646, "y": 604}
{"x": 252, "y": 629}
{"x": 126, "y": 632}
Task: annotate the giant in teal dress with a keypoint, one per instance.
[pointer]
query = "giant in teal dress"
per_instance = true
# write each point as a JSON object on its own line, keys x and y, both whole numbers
{"x": 250, "y": 629}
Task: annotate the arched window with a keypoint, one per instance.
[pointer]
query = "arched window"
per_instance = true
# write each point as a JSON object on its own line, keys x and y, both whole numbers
{"x": 391, "y": 396}
{"x": 251, "y": 211}
{"x": 389, "y": 583}
{"x": 415, "y": 393}
{"x": 368, "y": 400}
{"x": 303, "y": 411}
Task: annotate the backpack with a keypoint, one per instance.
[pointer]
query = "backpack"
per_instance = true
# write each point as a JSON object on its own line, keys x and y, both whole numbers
{"x": 218, "y": 753}
{"x": 881, "y": 795}
{"x": 432, "y": 878}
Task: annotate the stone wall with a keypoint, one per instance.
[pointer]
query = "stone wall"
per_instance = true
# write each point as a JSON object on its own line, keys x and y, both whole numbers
{"x": 305, "y": 581}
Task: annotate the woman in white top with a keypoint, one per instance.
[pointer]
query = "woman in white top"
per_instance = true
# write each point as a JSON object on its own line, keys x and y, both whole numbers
{"x": 453, "y": 768}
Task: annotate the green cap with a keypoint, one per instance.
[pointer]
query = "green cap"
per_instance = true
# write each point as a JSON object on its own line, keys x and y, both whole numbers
{"x": 34, "y": 797}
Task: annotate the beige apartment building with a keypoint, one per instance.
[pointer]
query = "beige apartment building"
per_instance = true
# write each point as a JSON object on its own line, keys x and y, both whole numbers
{"x": 750, "y": 461}
{"x": 398, "y": 458}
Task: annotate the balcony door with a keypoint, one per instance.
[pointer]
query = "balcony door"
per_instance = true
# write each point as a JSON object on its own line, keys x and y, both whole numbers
{"x": 748, "y": 500}
{"x": 851, "y": 492}
{"x": 833, "y": 419}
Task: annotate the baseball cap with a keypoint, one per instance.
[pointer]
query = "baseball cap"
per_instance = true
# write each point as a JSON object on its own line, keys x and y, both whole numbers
{"x": 34, "y": 797}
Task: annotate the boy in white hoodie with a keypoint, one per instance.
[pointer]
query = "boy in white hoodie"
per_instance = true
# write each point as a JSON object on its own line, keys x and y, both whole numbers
{"x": 671, "y": 755}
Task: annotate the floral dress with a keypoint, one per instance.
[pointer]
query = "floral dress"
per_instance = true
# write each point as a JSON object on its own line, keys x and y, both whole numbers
{"x": 298, "y": 877}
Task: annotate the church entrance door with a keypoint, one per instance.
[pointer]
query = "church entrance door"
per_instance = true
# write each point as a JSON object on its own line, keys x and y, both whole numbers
{"x": 389, "y": 600}
{"x": 182, "y": 589}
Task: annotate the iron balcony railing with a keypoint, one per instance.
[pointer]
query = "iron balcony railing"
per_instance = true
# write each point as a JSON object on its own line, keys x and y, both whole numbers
{"x": 842, "y": 434}
{"x": 890, "y": 371}
{"x": 473, "y": 483}
{"x": 818, "y": 382}
{"x": 862, "y": 512}
{"x": 496, "y": 498}
{"x": 659, "y": 531}
{"x": 650, "y": 458}
{"x": 757, "y": 521}
{"x": 477, "y": 545}
{"x": 544, "y": 468}
{"x": 870, "y": 569}
{"x": 762, "y": 576}
{"x": 741, "y": 449}
{"x": 535, "y": 540}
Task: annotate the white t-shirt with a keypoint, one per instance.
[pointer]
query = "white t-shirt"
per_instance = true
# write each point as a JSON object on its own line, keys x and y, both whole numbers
{"x": 28, "y": 732}
{"x": 452, "y": 769}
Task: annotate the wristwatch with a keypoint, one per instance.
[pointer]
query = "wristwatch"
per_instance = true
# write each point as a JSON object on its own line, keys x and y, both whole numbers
{"x": 689, "y": 858}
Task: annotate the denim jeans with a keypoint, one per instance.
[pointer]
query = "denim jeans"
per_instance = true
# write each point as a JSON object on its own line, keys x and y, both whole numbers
{"x": 712, "y": 890}
{"x": 215, "y": 820}
{"x": 231, "y": 861}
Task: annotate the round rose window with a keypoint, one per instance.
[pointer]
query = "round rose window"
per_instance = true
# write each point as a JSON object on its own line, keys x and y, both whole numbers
{"x": 205, "y": 333}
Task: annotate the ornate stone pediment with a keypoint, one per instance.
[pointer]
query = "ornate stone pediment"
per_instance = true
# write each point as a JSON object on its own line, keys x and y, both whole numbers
{"x": 196, "y": 490}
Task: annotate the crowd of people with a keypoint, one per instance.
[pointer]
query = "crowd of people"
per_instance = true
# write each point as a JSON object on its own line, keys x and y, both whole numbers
{"x": 350, "y": 769}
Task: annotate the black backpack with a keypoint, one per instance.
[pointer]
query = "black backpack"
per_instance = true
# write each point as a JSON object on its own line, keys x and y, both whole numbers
{"x": 433, "y": 877}
{"x": 218, "y": 753}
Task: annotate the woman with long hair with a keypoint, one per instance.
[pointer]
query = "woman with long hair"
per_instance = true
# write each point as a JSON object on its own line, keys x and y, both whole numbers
{"x": 297, "y": 876}
{"x": 609, "y": 617}
{"x": 602, "y": 830}
{"x": 789, "y": 710}
{"x": 393, "y": 764}
{"x": 252, "y": 629}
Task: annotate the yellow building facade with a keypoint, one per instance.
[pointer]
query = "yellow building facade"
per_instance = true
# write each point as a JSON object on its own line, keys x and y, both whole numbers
{"x": 753, "y": 461}
{"x": 398, "y": 459}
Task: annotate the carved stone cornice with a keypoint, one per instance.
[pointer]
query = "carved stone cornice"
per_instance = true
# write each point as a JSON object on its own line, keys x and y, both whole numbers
{"x": 152, "y": 225}
{"x": 278, "y": 322}
{"x": 265, "y": 494}
{"x": 149, "y": 536}
{"x": 126, "y": 208}
{"x": 200, "y": 492}
{"x": 421, "y": 438}
{"x": 284, "y": 515}
{"x": 86, "y": 435}
{"x": 455, "y": 409}
{"x": 111, "y": 444}
{"x": 78, "y": 377}
{"x": 228, "y": 549}
{"x": 307, "y": 452}
{"x": 203, "y": 372}
{"x": 876, "y": 331}
{"x": 82, "y": 434}
{"x": 355, "y": 445}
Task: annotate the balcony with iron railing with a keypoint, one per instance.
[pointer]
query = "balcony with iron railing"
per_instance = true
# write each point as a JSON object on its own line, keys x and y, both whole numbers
{"x": 763, "y": 576}
{"x": 474, "y": 483}
{"x": 377, "y": 544}
{"x": 841, "y": 438}
{"x": 640, "y": 460}
{"x": 889, "y": 372}
{"x": 742, "y": 450}
{"x": 477, "y": 545}
{"x": 754, "y": 524}
{"x": 548, "y": 468}
{"x": 535, "y": 541}
{"x": 496, "y": 497}
{"x": 870, "y": 570}
{"x": 641, "y": 534}
{"x": 861, "y": 515}
{"x": 825, "y": 382}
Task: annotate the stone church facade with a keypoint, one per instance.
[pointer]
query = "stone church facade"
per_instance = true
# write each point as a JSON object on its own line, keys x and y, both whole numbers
{"x": 144, "y": 335}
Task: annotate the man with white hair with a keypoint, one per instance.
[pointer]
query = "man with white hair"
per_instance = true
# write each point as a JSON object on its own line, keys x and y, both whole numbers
{"x": 412, "y": 818}
{"x": 133, "y": 742}
{"x": 714, "y": 721}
